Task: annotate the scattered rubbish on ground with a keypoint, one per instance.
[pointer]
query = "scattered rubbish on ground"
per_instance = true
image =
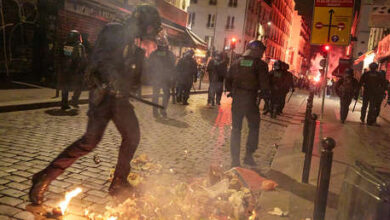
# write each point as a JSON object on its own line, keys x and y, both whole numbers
{"x": 277, "y": 211}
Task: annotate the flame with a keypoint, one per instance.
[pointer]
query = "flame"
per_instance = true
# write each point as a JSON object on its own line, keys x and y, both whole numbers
{"x": 68, "y": 196}
{"x": 317, "y": 78}
{"x": 253, "y": 216}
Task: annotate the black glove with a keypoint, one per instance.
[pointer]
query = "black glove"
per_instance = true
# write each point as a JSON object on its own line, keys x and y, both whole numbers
{"x": 292, "y": 90}
{"x": 356, "y": 97}
{"x": 229, "y": 95}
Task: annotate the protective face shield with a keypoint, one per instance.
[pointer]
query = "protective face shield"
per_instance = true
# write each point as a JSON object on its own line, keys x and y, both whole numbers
{"x": 148, "y": 21}
{"x": 162, "y": 40}
{"x": 373, "y": 66}
{"x": 74, "y": 37}
{"x": 255, "y": 48}
{"x": 278, "y": 65}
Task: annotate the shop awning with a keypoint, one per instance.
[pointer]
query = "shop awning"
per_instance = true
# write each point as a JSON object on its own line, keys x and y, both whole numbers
{"x": 362, "y": 57}
{"x": 343, "y": 64}
{"x": 182, "y": 36}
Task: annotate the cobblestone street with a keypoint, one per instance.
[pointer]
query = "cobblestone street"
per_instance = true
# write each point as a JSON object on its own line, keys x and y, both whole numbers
{"x": 193, "y": 138}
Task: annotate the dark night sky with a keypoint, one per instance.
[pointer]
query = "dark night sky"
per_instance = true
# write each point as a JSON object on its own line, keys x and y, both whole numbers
{"x": 304, "y": 7}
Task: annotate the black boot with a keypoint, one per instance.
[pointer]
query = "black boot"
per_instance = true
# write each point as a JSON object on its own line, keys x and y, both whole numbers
{"x": 248, "y": 159}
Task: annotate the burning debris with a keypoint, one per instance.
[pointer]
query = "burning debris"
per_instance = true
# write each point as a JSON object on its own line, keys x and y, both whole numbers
{"x": 221, "y": 195}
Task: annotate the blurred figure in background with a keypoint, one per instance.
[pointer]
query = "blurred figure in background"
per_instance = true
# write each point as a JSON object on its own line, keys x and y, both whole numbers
{"x": 186, "y": 70}
{"x": 346, "y": 88}
{"x": 161, "y": 68}
{"x": 73, "y": 61}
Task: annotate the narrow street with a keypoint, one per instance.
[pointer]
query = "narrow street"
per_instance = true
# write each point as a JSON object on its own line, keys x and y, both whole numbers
{"x": 193, "y": 138}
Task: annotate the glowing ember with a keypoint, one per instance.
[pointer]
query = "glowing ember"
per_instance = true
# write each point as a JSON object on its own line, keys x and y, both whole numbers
{"x": 68, "y": 196}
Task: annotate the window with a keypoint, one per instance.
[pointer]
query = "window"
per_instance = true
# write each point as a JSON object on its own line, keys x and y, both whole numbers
{"x": 212, "y": 2}
{"x": 211, "y": 20}
{"x": 233, "y": 3}
{"x": 230, "y": 22}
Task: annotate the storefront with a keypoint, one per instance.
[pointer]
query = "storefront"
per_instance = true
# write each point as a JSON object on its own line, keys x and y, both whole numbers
{"x": 383, "y": 55}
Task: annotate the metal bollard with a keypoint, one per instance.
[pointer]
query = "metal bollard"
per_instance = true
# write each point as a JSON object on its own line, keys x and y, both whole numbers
{"x": 323, "y": 181}
{"x": 309, "y": 148}
{"x": 309, "y": 107}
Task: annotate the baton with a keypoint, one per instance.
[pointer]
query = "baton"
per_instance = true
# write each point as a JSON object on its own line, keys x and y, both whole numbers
{"x": 290, "y": 97}
{"x": 146, "y": 101}
{"x": 354, "y": 106}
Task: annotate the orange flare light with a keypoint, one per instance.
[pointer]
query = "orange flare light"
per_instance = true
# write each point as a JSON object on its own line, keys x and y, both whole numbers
{"x": 68, "y": 196}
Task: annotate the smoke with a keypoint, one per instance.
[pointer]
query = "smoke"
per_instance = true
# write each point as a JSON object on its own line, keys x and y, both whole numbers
{"x": 334, "y": 56}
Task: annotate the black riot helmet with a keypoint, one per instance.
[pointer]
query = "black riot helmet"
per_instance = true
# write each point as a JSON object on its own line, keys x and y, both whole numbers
{"x": 147, "y": 20}
{"x": 74, "y": 37}
{"x": 278, "y": 65}
{"x": 189, "y": 53}
{"x": 373, "y": 66}
{"x": 254, "y": 48}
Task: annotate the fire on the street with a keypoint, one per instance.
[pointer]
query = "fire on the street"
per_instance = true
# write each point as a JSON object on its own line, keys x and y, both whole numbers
{"x": 63, "y": 205}
{"x": 219, "y": 196}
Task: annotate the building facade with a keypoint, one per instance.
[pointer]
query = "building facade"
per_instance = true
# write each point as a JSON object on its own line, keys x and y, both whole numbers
{"x": 219, "y": 21}
{"x": 280, "y": 29}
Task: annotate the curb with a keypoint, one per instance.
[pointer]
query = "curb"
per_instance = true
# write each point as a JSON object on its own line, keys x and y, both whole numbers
{"x": 39, "y": 105}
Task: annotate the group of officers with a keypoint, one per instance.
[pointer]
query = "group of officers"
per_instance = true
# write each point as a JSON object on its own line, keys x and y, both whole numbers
{"x": 113, "y": 74}
{"x": 374, "y": 86}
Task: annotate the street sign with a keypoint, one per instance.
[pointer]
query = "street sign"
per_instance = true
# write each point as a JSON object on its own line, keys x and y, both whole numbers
{"x": 332, "y": 22}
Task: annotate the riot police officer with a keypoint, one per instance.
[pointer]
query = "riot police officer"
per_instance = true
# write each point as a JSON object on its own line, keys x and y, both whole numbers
{"x": 373, "y": 83}
{"x": 346, "y": 88}
{"x": 278, "y": 82}
{"x": 289, "y": 84}
{"x": 217, "y": 69}
{"x": 72, "y": 69}
{"x": 246, "y": 76}
{"x": 112, "y": 74}
{"x": 187, "y": 71}
{"x": 161, "y": 68}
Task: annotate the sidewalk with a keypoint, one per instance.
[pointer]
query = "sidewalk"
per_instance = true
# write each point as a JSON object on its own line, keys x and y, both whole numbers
{"x": 31, "y": 96}
{"x": 354, "y": 141}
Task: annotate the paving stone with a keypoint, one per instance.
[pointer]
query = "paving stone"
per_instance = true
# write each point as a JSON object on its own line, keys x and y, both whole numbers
{"x": 25, "y": 215}
{"x": 4, "y": 181}
{"x": 18, "y": 186}
{"x": 8, "y": 210}
{"x": 97, "y": 193}
{"x": 3, "y": 217}
{"x": 16, "y": 178}
{"x": 12, "y": 192}
{"x": 10, "y": 201}
{"x": 22, "y": 173}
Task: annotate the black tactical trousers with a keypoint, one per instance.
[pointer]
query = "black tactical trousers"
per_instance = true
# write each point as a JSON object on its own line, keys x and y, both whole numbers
{"x": 121, "y": 112}
{"x": 282, "y": 102}
{"x": 244, "y": 105}
{"x": 215, "y": 92}
{"x": 364, "y": 107}
{"x": 374, "y": 102}
{"x": 345, "y": 101}
{"x": 64, "y": 97}
{"x": 156, "y": 96}
{"x": 276, "y": 101}
{"x": 183, "y": 92}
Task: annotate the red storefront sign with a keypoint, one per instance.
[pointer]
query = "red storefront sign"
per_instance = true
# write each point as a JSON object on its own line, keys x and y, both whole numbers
{"x": 333, "y": 3}
{"x": 383, "y": 48}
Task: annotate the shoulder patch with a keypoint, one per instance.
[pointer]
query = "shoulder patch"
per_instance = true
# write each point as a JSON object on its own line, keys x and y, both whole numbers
{"x": 68, "y": 50}
{"x": 161, "y": 53}
{"x": 246, "y": 63}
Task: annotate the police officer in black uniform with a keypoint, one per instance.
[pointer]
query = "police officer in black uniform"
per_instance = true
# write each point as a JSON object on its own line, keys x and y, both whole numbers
{"x": 278, "y": 80}
{"x": 373, "y": 83}
{"x": 112, "y": 74}
{"x": 161, "y": 68}
{"x": 187, "y": 70}
{"x": 245, "y": 78}
{"x": 217, "y": 69}
{"x": 72, "y": 69}
{"x": 346, "y": 88}
{"x": 289, "y": 84}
